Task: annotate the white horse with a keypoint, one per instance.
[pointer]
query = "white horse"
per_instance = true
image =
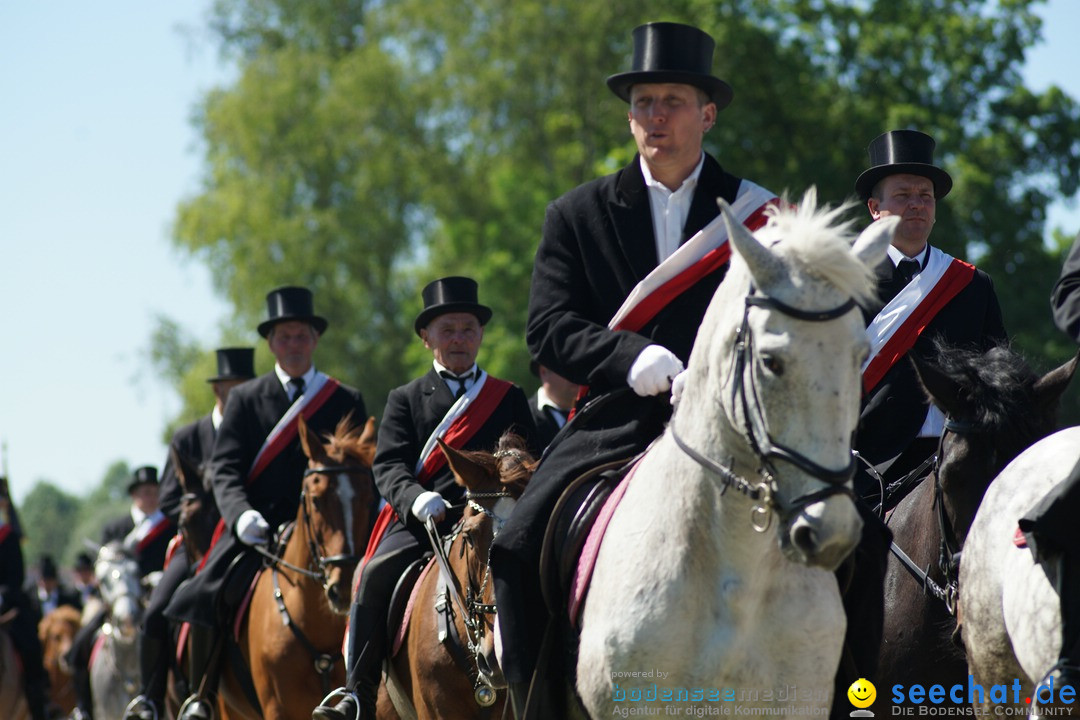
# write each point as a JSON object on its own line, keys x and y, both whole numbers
{"x": 691, "y": 598}
{"x": 1010, "y": 612}
{"x": 114, "y": 672}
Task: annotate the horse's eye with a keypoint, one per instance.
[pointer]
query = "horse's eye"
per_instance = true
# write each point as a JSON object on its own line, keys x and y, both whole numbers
{"x": 772, "y": 364}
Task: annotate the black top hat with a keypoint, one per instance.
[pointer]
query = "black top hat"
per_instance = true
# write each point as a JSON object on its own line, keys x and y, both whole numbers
{"x": 83, "y": 561}
{"x": 47, "y": 567}
{"x": 666, "y": 52}
{"x": 291, "y": 303}
{"x": 902, "y": 151}
{"x": 448, "y": 295}
{"x": 234, "y": 364}
{"x": 146, "y": 475}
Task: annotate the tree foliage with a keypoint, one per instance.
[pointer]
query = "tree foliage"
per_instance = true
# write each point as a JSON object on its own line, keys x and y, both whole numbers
{"x": 366, "y": 148}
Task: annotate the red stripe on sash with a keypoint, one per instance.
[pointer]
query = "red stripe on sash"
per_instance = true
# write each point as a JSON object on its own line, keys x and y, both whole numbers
{"x": 956, "y": 278}
{"x": 176, "y": 542}
{"x": 155, "y": 532}
{"x": 5, "y": 530}
{"x": 289, "y": 432}
{"x": 461, "y": 430}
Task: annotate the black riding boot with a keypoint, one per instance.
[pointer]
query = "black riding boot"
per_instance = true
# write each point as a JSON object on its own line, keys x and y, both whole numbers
{"x": 153, "y": 674}
{"x": 205, "y": 651}
{"x": 1068, "y": 587}
{"x": 365, "y": 670}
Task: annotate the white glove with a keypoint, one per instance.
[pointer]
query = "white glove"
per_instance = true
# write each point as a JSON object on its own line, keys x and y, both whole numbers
{"x": 429, "y": 504}
{"x": 677, "y": 386}
{"x": 252, "y": 528}
{"x": 653, "y": 370}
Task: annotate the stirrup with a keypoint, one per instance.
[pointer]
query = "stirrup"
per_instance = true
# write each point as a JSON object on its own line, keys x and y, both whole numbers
{"x": 340, "y": 694}
{"x": 138, "y": 701}
{"x": 191, "y": 707}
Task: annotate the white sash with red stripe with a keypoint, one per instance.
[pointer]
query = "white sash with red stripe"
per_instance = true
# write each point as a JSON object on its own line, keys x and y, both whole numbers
{"x": 897, "y": 326}
{"x": 749, "y": 204}
{"x": 281, "y": 435}
{"x": 456, "y": 410}
{"x": 150, "y": 527}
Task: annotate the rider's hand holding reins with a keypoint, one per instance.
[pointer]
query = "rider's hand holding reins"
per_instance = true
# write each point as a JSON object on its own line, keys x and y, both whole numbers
{"x": 252, "y": 528}
{"x": 429, "y": 505}
{"x": 653, "y": 370}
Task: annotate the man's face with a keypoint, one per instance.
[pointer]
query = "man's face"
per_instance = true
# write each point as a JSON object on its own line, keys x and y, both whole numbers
{"x": 145, "y": 497}
{"x": 221, "y": 390}
{"x": 293, "y": 342}
{"x": 910, "y": 197}
{"x": 454, "y": 339}
{"x": 668, "y": 122}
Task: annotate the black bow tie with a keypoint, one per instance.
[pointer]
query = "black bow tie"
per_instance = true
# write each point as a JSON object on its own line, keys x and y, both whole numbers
{"x": 906, "y": 269}
{"x": 459, "y": 379}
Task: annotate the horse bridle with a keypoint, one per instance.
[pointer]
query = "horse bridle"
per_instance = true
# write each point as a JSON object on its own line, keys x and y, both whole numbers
{"x": 756, "y": 429}
{"x": 949, "y": 546}
{"x": 323, "y": 662}
{"x": 472, "y": 608}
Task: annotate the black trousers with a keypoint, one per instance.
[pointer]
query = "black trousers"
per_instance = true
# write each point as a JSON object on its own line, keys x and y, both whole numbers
{"x": 155, "y": 632}
{"x": 23, "y": 632}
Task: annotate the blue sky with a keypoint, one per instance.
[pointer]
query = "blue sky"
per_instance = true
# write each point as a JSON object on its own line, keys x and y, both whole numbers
{"x": 96, "y": 150}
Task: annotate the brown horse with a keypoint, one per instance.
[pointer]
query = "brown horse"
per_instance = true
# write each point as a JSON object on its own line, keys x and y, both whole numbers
{"x": 56, "y": 631}
{"x": 459, "y": 678}
{"x": 12, "y": 698}
{"x": 198, "y": 513}
{"x": 292, "y": 633}
{"x": 995, "y": 407}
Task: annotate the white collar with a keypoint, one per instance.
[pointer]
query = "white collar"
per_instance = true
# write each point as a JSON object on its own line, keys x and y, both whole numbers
{"x": 896, "y": 256}
{"x": 284, "y": 378}
{"x": 687, "y": 184}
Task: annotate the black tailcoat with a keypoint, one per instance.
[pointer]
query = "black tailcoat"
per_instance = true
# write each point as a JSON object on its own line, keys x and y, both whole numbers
{"x": 894, "y": 411}
{"x": 194, "y": 441}
{"x": 413, "y": 411}
{"x": 251, "y": 412}
{"x": 547, "y": 427}
{"x": 597, "y": 244}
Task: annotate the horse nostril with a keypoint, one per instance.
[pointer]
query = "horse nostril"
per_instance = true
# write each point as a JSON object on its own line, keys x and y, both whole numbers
{"x": 804, "y": 538}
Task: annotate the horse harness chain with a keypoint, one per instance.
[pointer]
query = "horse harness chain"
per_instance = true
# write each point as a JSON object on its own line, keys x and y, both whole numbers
{"x": 756, "y": 431}
{"x": 949, "y": 547}
{"x": 323, "y": 662}
{"x": 472, "y": 608}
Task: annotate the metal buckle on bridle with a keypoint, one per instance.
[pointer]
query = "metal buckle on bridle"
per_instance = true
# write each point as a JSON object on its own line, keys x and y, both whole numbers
{"x": 761, "y": 513}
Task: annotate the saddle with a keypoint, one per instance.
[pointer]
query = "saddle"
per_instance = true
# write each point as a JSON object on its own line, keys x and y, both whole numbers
{"x": 571, "y": 521}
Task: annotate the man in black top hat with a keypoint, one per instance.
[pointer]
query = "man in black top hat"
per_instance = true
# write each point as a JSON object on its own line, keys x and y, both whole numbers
{"x": 192, "y": 443}
{"x": 144, "y": 532}
{"x": 13, "y": 598}
{"x": 600, "y": 242}
{"x": 257, "y": 464}
{"x": 469, "y": 410}
{"x": 923, "y": 294}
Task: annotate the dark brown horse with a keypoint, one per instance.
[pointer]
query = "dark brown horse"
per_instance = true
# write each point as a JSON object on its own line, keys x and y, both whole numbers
{"x": 198, "y": 512}
{"x": 56, "y": 631}
{"x": 458, "y": 677}
{"x": 298, "y": 612}
{"x": 995, "y": 407}
{"x": 12, "y": 697}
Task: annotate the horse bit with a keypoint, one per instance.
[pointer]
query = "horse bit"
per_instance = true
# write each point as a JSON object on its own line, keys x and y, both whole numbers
{"x": 472, "y": 608}
{"x": 756, "y": 431}
{"x": 324, "y": 662}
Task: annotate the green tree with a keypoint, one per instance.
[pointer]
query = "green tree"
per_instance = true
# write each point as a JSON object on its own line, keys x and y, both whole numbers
{"x": 47, "y": 516}
{"x": 366, "y": 148}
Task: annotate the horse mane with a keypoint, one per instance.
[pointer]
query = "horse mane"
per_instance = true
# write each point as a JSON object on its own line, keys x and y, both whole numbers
{"x": 510, "y": 461}
{"x": 819, "y": 239}
{"x": 345, "y": 440}
{"x": 997, "y": 386}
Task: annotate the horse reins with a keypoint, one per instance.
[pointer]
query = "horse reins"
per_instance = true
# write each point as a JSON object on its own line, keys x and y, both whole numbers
{"x": 756, "y": 430}
{"x": 949, "y": 547}
{"x": 472, "y": 608}
{"x": 323, "y": 662}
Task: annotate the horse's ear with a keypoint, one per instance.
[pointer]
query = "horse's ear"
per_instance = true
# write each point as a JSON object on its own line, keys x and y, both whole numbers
{"x": 873, "y": 242}
{"x": 759, "y": 259}
{"x": 309, "y": 440}
{"x": 1049, "y": 388}
{"x": 367, "y": 441}
{"x": 467, "y": 472}
{"x": 942, "y": 390}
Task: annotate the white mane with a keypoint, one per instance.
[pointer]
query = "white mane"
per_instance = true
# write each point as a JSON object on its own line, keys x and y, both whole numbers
{"x": 819, "y": 240}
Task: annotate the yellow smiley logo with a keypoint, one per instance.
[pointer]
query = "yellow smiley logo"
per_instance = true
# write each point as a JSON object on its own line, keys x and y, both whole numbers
{"x": 862, "y": 693}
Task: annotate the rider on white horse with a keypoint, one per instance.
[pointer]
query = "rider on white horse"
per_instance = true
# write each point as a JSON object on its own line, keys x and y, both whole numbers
{"x": 1050, "y": 527}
